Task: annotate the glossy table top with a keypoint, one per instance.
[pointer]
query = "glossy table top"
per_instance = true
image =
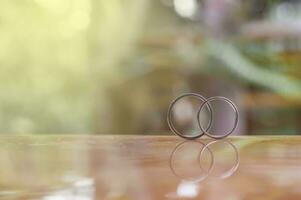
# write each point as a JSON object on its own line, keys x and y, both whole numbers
{"x": 149, "y": 167}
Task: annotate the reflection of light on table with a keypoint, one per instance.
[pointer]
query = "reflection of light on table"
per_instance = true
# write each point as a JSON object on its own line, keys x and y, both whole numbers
{"x": 82, "y": 189}
{"x": 187, "y": 190}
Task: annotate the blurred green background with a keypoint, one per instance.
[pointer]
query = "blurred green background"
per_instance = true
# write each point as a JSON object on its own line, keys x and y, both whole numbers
{"x": 113, "y": 67}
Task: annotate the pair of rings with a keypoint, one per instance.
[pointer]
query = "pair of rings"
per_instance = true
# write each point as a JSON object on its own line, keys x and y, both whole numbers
{"x": 205, "y": 103}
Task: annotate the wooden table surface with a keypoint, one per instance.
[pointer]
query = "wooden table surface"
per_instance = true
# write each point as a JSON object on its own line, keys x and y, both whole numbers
{"x": 149, "y": 167}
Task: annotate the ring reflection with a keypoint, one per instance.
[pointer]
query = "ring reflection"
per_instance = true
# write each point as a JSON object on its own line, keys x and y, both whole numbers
{"x": 197, "y": 172}
{"x": 194, "y": 161}
{"x": 221, "y": 156}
